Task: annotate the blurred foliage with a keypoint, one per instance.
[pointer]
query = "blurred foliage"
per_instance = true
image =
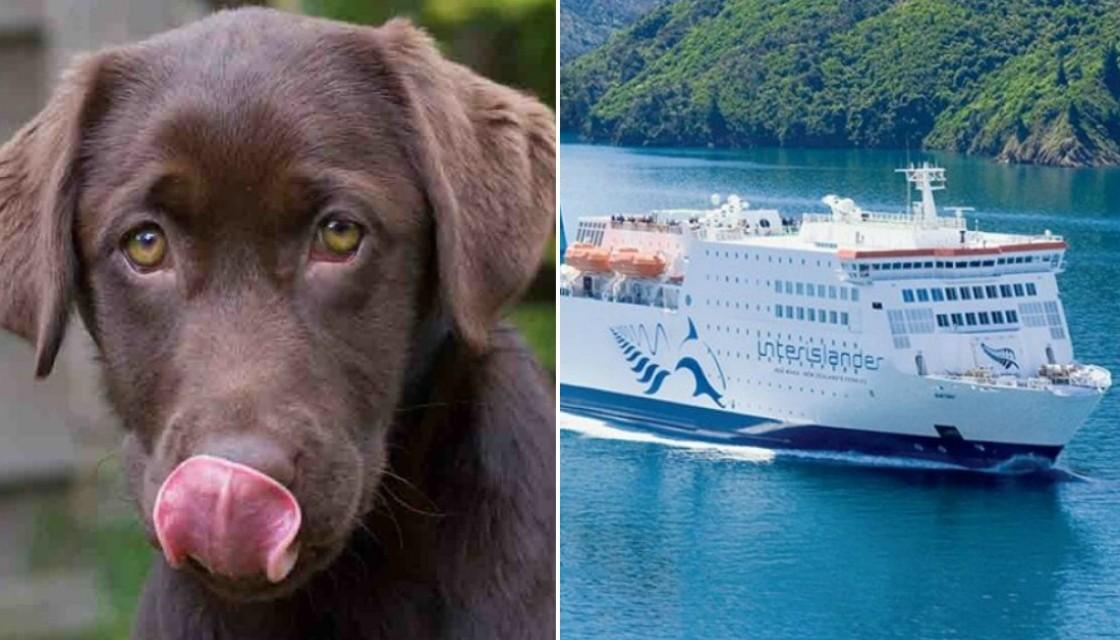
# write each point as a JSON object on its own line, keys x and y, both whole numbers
{"x": 509, "y": 41}
{"x": 537, "y": 323}
{"x": 124, "y": 557}
{"x": 1025, "y": 80}
{"x": 536, "y": 315}
{"x": 69, "y": 536}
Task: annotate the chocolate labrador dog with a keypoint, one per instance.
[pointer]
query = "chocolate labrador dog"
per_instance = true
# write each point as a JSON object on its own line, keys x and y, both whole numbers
{"x": 291, "y": 240}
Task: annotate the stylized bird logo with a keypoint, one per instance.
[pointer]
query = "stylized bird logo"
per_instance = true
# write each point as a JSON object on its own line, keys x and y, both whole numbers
{"x": 1005, "y": 357}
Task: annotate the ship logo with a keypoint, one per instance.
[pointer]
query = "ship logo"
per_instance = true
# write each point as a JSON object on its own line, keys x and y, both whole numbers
{"x": 1005, "y": 357}
{"x": 646, "y": 355}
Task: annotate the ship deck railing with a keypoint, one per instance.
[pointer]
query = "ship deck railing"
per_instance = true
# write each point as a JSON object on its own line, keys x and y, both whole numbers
{"x": 942, "y": 222}
{"x": 690, "y": 221}
{"x": 667, "y": 303}
{"x": 642, "y": 225}
{"x": 1085, "y": 376}
{"x": 655, "y": 293}
{"x": 992, "y": 380}
{"x": 984, "y": 239}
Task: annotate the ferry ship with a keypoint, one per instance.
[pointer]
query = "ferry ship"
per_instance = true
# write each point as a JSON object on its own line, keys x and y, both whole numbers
{"x": 897, "y": 334}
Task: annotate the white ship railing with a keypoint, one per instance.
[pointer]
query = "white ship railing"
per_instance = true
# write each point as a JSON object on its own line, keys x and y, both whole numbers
{"x": 620, "y": 289}
{"x": 996, "y": 239}
{"x": 983, "y": 239}
{"x": 727, "y": 235}
{"x": 1011, "y": 382}
{"x": 1073, "y": 375}
{"x": 888, "y": 218}
{"x": 658, "y": 227}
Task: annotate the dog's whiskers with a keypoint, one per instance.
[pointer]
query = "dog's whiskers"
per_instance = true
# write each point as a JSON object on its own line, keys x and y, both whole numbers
{"x": 423, "y": 405}
{"x": 361, "y": 561}
{"x": 389, "y": 474}
{"x": 406, "y": 505}
{"x": 387, "y": 511}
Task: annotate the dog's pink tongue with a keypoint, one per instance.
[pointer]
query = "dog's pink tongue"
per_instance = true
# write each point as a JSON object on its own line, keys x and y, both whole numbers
{"x": 231, "y": 518}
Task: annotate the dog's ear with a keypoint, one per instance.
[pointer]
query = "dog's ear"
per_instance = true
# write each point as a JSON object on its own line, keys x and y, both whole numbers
{"x": 487, "y": 156}
{"x": 38, "y": 197}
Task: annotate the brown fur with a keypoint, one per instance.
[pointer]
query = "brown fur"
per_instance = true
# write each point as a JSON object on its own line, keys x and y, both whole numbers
{"x": 421, "y": 432}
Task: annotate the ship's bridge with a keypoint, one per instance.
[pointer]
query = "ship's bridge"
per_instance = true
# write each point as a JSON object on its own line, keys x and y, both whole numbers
{"x": 922, "y": 243}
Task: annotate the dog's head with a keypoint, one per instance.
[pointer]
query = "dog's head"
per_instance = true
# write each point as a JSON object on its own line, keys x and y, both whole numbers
{"x": 265, "y": 221}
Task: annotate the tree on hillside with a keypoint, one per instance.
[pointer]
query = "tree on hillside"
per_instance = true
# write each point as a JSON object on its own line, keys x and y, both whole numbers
{"x": 1073, "y": 116}
{"x": 717, "y": 124}
{"x": 1111, "y": 71}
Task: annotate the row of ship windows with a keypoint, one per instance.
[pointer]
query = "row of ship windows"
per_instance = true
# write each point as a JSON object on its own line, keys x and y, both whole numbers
{"x": 960, "y": 264}
{"x": 1031, "y": 314}
{"x": 746, "y": 256}
{"x": 990, "y": 291}
{"x": 819, "y": 291}
{"x": 824, "y": 316}
{"x": 981, "y": 317}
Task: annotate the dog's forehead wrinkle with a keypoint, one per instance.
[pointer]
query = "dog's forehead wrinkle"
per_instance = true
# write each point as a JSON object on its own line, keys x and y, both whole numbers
{"x": 239, "y": 147}
{"x": 232, "y": 135}
{"x": 212, "y": 170}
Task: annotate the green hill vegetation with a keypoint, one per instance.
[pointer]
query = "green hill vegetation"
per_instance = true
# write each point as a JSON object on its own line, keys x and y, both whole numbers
{"x": 1021, "y": 80}
{"x": 586, "y": 24}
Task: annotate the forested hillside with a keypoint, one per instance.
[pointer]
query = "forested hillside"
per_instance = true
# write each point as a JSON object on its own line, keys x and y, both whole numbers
{"x": 1022, "y": 80}
{"x": 586, "y": 24}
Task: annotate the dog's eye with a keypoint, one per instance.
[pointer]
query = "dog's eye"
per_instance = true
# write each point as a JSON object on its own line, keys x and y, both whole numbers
{"x": 338, "y": 238}
{"x": 146, "y": 247}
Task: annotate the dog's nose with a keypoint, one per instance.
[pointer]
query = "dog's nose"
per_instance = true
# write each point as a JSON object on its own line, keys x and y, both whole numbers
{"x": 260, "y": 452}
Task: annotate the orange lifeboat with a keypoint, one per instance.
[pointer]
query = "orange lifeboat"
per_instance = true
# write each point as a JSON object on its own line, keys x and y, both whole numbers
{"x": 588, "y": 257}
{"x": 630, "y": 262}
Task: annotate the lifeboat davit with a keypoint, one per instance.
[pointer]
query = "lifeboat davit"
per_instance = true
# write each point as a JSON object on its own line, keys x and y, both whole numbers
{"x": 588, "y": 257}
{"x": 630, "y": 262}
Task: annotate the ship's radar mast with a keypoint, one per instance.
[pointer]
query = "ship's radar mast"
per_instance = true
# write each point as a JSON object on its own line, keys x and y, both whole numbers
{"x": 927, "y": 178}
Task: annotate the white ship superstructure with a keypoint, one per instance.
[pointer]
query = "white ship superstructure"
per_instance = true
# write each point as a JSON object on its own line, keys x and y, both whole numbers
{"x": 901, "y": 334}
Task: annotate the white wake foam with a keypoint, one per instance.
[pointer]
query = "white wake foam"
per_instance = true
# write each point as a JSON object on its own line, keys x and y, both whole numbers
{"x": 870, "y": 460}
{"x": 592, "y": 428}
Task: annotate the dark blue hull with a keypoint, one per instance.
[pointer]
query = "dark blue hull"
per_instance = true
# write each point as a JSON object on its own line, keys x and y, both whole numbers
{"x": 714, "y": 425}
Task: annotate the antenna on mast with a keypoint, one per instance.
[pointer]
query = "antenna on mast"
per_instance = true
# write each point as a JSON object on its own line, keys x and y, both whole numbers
{"x": 927, "y": 178}
{"x": 909, "y": 196}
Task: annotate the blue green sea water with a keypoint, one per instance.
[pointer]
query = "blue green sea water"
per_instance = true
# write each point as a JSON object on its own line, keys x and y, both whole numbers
{"x": 663, "y": 539}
